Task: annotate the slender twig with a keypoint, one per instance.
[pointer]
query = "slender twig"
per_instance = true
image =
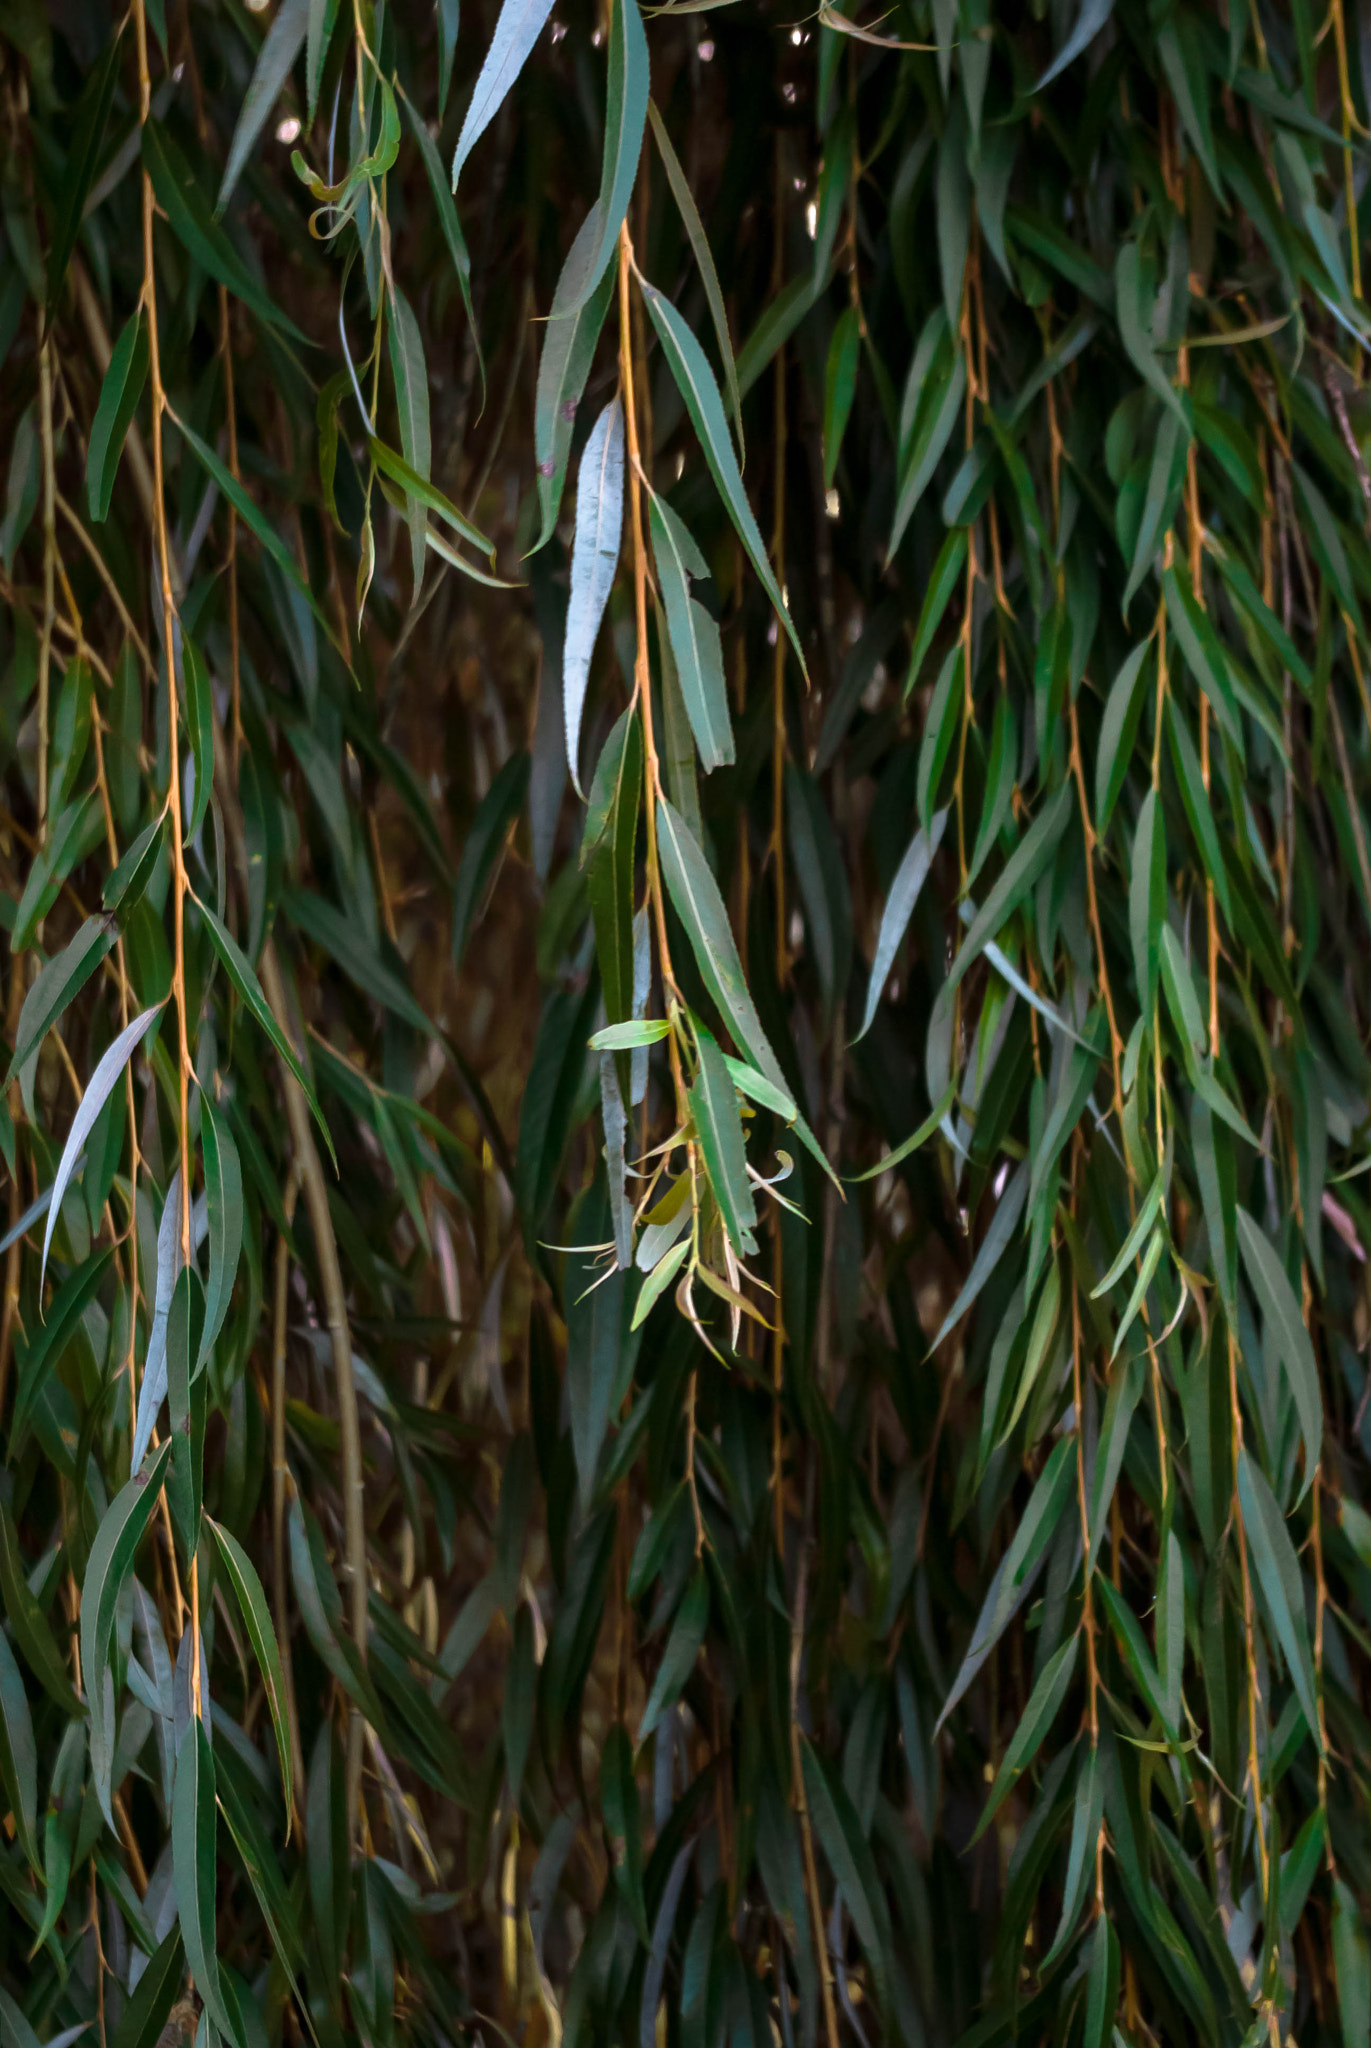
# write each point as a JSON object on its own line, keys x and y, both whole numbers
{"x": 178, "y": 862}
{"x": 279, "y": 1476}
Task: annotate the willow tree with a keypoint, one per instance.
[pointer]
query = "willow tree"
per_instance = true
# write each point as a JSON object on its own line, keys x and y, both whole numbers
{"x": 684, "y": 717}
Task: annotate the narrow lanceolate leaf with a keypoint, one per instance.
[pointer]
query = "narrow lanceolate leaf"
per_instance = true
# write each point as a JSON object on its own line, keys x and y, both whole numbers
{"x": 1021, "y": 871}
{"x": 194, "y": 1837}
{"x": 700, "y": 907}
{"x": 678, "y": 1658}
{"x": 120, "y": 391}
{"x": 1038, "y": 1716}
{"x": 447, "y": 219}
{"x": 853, "y": 1866}
{"x": 1134, "y": 308}
{"x": 18, "y": 1757}
{"x": 410, "y": 372}
{"x": 111, "y": 1560}
{"x": 626, "y": 103}
{"x": 516, "y": 32}
{"x": 60, "y": 982}
{"x": 594, "y": 559}
{"x": 153, "y": 1390}
{"x": 910, "y": 877}
{"x": 224, "y": 1204}
{"x": 573, "y": 328}
{"x": 714, "y": 1107}
{"x": 1003, "y": 1224}
{"x": 1278, "y": 1574}
{"x": 422, "y": 487}
{"x": 240, "y": 972}
{"x": 704, "y": 263}
{"x": 59, "y": 1829}
{"x": 616, "y": 1134}
{"x": 256, "y": 520}
{"x": 280, "y": 47}
{"x": 102, "y": 1082}
{"x": 86, "y": 134}
{"x": 146, "y": 2013}
{"x": 495, "y": 813}
{"x": 29, "y": 1623}
{"x": 200, "y": 725}
{"x": 695, "y": 642}
{"x": 1352, "y": 1965}
{"x": 695, "y": 382}
{"x": 1281, "y": 1313}
{"x": 1147, "y": 899}
{"x": 608, "y": 850}
{"x": 1133, "y": 1243}
{"x": 193, "y": 223}
{"x": 252, "y": 1604}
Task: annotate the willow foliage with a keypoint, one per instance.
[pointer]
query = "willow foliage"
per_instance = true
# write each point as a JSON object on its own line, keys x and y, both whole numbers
{"x": 685, "y": 731}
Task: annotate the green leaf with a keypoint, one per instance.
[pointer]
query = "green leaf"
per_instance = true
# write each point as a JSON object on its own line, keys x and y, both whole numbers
{"x": 840, "y": 387}
{"x": 1133, "y": 305}
{"x": 714, "y": 298}
{"x": 252, "y": 1604}
{"x": 281, "y": 45}
{"x": 200, "y": 723}
{"x": 441, "y": 193}
{"x": 608, "y": 856}
{"x": 1203, "y": 654}
{"x": 1102, "y": 1985}
{"x": 495, "y": 813}
{"x": 240, "y": 972}
{"x": 1178, "y": 46}
{"x": 121, "y": 1530}
{"x": 255, "y": 520}
{"x": 1091, "y": 19}
{"x": 637, "y": 1031}
{"x": 1284, "y": 1322}
{"x": 516, "y": 32}
{"x": 695, "y": 382}
{"x": 199, "y": 233}
{"x": 658, "y": 1280}
{"x": 695, "y": 640}
{"x": 29, "y": 1623}
{"x": 149, "y": 2005}
{"x": 626, "y": 103}
{"x": 1118, "y": 730}
{"x": 916, "y": 1138}
{"x": 58, "y": 985}
{"x": 59, "y": 1829}
{"x": 1352, "y": 1965}
{"x": 1087, "y": 1816}
{"x": 714, "y": 1108}
{"x": 418, "y": 486}
{"x": 83, "y": 155}
{"x": 410, "y": 372}
{"x": 323, "y": 19}
{"x": 18, "y": 1757}
{"x": 573, "y": 328}
{"x": 623, "y": 1823}
{"x": 678, "y": 1658}
{"x": 194, "y": 1832}
{"x": 1147, "y": 899}
{"x": 700, "y": 907}
{"x": 1021, "y": 871}
{"x": 849, "y": 1858}
{"x": 594, "y": 561}
{"x": 330, "y": 1874}
{"x": 1038, "y": 1716}
{"x": 910, "y": 877}
{"x": 1278, "y": 1574}
{"x": 224, "y": 1207}
{"x": 943, "y": 579}
{"x": 1198, "y": 809}
{"x": 126, "y": 884}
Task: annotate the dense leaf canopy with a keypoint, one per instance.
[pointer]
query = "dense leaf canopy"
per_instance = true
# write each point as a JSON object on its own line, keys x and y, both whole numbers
{"x": 686, "y": 748}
